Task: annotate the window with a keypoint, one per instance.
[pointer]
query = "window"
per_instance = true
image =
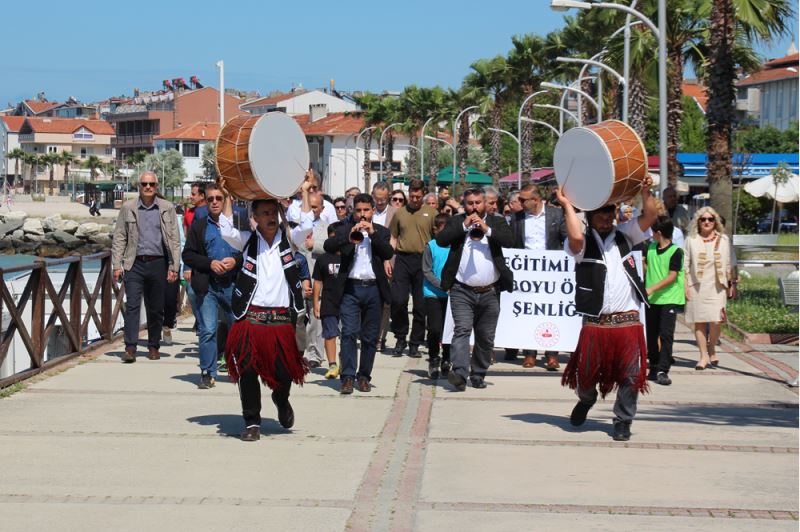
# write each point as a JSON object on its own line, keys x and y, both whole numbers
{"x": 83, "y": 134}
{"x": 83, "y": 153}
{"x": 52, "y": 149}
{"x": 191, "y": 149}
{"x": 108, "y": 150}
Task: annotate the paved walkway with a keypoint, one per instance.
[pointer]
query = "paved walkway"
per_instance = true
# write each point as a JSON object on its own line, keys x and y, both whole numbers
{"x": 104, "y": 446}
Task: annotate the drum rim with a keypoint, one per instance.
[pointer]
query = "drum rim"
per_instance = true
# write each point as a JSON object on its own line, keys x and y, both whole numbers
{"x": 608, "y": 159}
{"x": 250, "y": 146}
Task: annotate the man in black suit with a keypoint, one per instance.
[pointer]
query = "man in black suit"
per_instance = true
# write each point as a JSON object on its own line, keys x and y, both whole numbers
{"x": 475, "y": 272}
{"x": 537, "y": 226}
{"x": 363, "y": 247}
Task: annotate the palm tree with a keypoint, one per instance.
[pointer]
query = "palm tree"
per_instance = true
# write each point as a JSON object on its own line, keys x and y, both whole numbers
{"x": 16, "y": 154}
{"x": 754, "y": 19}
{"x": 93, "y": 163}
{"x": 490, "y": 80}
{"x": 368, "y": 103}
{"x": 456, "y": 101}
{"x": 66, "y": 158}
{"x": 411, "y": 113}
{"x": 433, "y": 104}
{"x": 51, "y": 160}
{"x": 33, "y": 161}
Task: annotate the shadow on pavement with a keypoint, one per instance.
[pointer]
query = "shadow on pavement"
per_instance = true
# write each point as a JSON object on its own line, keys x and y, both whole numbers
{"x": 232, "y": 425}
{"x": 562, "y": 422}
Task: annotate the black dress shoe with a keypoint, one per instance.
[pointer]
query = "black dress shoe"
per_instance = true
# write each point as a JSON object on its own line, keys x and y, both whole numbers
{"x": 413, "y": 351}
{"x": 285, "y": 411}
{"x": 458, "y": 382}
{"x": 399, "y": 347}
{"x": 511, "y": 355}
{"x": 579, "y": 413}
{"x": 477, "y": 382}
{"x": 622, "y": 431}
{"x": 251, "y": 434}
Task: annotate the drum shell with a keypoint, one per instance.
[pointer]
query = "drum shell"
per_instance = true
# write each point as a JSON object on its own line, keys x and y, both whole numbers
{"x": 615, "y": 172}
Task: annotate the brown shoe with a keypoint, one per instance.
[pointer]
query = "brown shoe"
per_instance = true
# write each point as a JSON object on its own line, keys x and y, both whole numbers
{"x": 364, "y": 385}
{"x": 251, "y": 434}
{"x": 153, "y": 353}
{"x": 129, "y": 357}
{"x": 552, "y": 363}
{"x": 529, "y": 362}
{"x": 347, "y": 386}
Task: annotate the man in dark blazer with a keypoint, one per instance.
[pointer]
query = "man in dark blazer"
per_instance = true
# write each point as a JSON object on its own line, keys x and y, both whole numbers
{"x": 537, "y": 226}
{"x": 475, "y": 273}
{"x": 363, "y": 246}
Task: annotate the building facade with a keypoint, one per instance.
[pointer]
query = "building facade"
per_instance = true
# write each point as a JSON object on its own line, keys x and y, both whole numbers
{"x": 189, "y": 141}
{"x": 9, "y": 141}
{"x": 769, "y": 97}
{"x": 298, "y": 102}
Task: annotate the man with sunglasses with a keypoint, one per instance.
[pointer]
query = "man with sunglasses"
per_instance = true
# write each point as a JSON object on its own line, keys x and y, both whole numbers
{"x": 214, "y": 263}
{"x": 537, "y": 226}
{"x": 145, "y": 248}
{"x": 328, "y": 215}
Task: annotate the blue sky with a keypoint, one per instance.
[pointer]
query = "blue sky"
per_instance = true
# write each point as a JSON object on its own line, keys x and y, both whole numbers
{"x": 93, "y": 50}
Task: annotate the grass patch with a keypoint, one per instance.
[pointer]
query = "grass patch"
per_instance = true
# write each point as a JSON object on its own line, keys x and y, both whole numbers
{"x": 11, "y": 390}
{"x": 759, "y": 308}
{"x": 788, "y": 239}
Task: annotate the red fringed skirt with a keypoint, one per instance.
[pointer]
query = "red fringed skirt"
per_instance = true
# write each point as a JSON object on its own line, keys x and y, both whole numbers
{"x": 608, "y": 356}
{"x": 259, "y": 340}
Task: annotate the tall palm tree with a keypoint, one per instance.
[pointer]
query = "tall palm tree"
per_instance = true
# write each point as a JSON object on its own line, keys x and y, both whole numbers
{"x": 51, "y": 160}
{"x": 490, "y": 80}
{"x": 33, "y": 161}
{"x": 369, "y": 105}
{"x": 16, "y": 154}
{"x": 411, "y": 113}
{"x": 66, "y": 158}
{"x": 456, "y": 101}
{"x": 93, "y": 163}
{"x": 756, "y": 19}
{"x": 433, "y": 106}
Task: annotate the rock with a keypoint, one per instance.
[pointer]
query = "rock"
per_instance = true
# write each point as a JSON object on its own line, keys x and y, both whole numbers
{"x": 10, "y": 226}
{"x": 30, "y": 237}
{"x": 62, "y": 237}
{"x": 53, "y": 223}
{"x": 14, "y": 215}
{"x": 87, "y": 229}
{"x": 48, "y": 241}
{"x": 5, "y": 244}
{"x": 18, "y": 234}
{"x": 54, "y": 252}
{"x": 70, "y": 226}
{"x": 8, "y": 251}
{"x": 33, "y": 226}
{"x": 28, "y": 248}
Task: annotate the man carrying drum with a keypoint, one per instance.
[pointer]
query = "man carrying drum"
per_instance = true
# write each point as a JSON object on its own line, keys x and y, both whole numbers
{"x": 611, "y": 349}
{"x": 267, "y": 301}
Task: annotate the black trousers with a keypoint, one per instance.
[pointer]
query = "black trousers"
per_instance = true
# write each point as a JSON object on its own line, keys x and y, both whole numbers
{"x": 435, "y": 312}
{"x": 661, "y": 326}
{"x": 407, "y": 279}
{"x": 149, "y": 280}
{"x": 171, "y": 304}
{"x": 250, "y": 392}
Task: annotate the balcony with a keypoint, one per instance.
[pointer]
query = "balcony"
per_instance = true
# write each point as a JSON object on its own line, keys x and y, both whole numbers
{"x": 132, "y": 140}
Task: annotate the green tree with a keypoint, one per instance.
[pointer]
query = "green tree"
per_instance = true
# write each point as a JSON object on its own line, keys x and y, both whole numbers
{"x": 168, "y": 166}
{"x": 209, "y": 161}
{"x": 17, "y": 155}
{"x": 51, "y": 160}
{"x": 65, "y": 159}
{"x": 93, "y": 163}
{"x": 693, "y": 127}
{"x": 32, "y": 161}
{"x": 768, "y": 139}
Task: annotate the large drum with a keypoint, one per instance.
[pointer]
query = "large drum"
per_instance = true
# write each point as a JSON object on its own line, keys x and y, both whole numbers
{"x": 262, "y": 157}
{"x": 600, "y": 164}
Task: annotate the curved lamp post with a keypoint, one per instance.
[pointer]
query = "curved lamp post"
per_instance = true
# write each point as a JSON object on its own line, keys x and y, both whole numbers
{"x": 455, "y": 137}
{"x": 380, "y": 147}
{"x": 422, "y": 143}
{"x": 358, "y": 137}
{"x": 519, "y": 134}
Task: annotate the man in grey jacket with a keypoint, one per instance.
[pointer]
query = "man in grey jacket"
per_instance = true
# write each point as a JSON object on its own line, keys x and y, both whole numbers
{"x": 146, "y": 251}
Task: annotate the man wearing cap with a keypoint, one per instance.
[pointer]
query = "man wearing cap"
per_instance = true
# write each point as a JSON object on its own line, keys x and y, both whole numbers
{"x": 611, "y": 351}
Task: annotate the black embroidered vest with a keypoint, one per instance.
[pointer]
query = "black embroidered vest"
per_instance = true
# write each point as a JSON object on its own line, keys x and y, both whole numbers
{"x": 590, "y": 275}
{"x": 247, "y": 279}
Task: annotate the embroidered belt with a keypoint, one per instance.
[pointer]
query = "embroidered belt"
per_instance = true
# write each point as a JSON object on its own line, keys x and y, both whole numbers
{"x": 268, "y": 314}
{"x": 476, "y": 289}
{"x": 616, "y": 318}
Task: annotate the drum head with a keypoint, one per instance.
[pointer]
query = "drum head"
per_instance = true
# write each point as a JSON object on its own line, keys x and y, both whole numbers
{"x": 278, "y": 154}
{"x": 583, "y": 166}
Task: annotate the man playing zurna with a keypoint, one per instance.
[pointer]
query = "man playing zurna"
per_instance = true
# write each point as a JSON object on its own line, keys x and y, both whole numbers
{"x": 611, "y": 347}
{"x": 267, "y": 301}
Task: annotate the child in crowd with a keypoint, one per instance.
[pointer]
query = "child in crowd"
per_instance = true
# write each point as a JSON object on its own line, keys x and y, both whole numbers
{"x": 326, "y": 308}
{"x": 433, "y": 259}
{"x": 664, "y": 280}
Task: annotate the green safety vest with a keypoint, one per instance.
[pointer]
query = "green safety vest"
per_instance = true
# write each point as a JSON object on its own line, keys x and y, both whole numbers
{"x": 658, "y": 269}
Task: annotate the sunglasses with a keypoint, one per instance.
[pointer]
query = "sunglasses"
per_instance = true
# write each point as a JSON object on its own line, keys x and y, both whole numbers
{"x": 145, "y": 184}
{"x": 340, "y": 207}
{"x": 399, "y": 199}
{"x": 704, "y": 219}
{"x": 212, "y": 199}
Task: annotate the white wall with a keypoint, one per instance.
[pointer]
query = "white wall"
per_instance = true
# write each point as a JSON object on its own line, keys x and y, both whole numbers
{"x": 298, "y": 105}
{"x": 8, "y": 142}
{"x": 339, "y": 178}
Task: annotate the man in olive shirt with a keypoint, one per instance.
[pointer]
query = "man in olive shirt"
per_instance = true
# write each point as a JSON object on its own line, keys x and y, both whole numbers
{"x": 411, "y": 228}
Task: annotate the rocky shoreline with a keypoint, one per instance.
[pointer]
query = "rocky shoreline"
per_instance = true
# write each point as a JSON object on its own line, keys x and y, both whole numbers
{"x": 52, "y": 236}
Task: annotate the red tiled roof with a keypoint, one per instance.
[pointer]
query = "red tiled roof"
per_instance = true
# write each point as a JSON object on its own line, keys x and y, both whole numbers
{"x": 333, "y": 124}
{"x": 766, "y": 75}
{"x": 698, "y": 93}
{"x": 272, "y": 100}
{"x": 39, "y": 107}
{"x": 788, "y": 60}
{"x": 68, "y": 125}
{"x": 13, "y": 123}
{"x": 194, "y": 131}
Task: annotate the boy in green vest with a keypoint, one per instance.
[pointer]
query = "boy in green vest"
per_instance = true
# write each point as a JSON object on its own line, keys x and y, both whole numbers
{"x": 664, "y": 280}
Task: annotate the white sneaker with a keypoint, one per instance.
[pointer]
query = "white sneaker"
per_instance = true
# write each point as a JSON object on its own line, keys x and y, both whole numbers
{"x": 166, "y": 336}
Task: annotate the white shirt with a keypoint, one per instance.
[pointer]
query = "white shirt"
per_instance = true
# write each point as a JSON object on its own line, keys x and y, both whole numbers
{"x": 677, "y": 237}
{"x": 328, "y": 213}
{"x": 535, "y": 236}
{"x": 362, "y": 260}
{"x": 380, "y": 217}
{"x": 618, "y": 293}
{"x": 272, "y": 290}
{"x": 476, "y": 267}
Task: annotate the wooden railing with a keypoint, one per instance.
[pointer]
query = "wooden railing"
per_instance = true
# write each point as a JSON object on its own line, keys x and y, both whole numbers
{"x": 72, "y": 294}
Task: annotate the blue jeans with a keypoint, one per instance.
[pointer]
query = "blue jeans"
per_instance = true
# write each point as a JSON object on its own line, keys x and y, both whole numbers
{"x": 360, "y": 310}
{"x": 208, "y": 307}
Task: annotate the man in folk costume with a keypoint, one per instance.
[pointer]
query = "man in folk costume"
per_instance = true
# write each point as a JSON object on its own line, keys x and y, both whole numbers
{"x": 267, "y": 301}
{"x": 611, "y": 349}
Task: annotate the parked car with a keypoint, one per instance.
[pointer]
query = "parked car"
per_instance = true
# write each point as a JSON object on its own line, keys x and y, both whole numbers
{"x": 788, "y": 223}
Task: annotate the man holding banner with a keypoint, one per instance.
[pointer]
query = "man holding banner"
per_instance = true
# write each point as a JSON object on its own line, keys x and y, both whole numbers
{"x": 611, "y": 349}
{"x": 474, "y": 273}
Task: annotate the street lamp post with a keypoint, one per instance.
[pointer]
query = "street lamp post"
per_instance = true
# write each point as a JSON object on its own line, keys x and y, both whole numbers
{"x": 562, "y": 111}
{"x": 380, "y": 148}
{"x": 541, "y": 123}
{"x": 572, "y": 89}
{"x": 452, "y": 146}
{"x": 661, "y": 33}
{"x": 593, "y": 62}
{"x": 422, "y": 145}
{"x": 455, "y": 137}
{"x": 366, "y": 155}
{"x": 519, "y": 134}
